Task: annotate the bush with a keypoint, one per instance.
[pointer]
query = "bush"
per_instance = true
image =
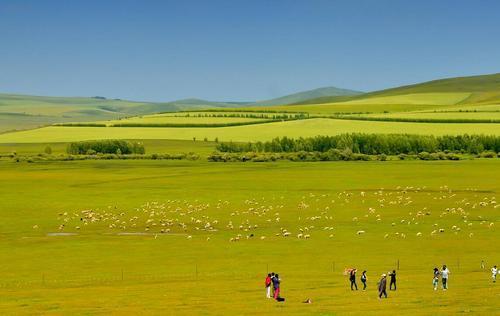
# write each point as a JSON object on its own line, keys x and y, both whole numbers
{"x": 488, "y": 154}
{"x": 48, "y": 150}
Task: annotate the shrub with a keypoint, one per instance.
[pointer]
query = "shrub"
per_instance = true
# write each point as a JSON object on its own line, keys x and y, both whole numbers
{"x": 488, "y": 154}
{"x": 48, "y": 150}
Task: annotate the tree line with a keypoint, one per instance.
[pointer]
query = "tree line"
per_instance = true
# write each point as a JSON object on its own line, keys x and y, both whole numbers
{"x": 106, "y": 146}
{"x": 372, "y": 144}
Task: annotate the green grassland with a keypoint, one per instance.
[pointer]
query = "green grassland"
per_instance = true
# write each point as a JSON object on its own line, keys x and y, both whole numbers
{"x": 162, "y": 118}
{"x": 300, "y": 128}
{"x": 482, "y": 89}
{"x": 440, "y": 115}
{"x": 158, "y": 146}
{"x": 110, "y": 256}
{"x": 470, "y": 91}
{"x": 197, "y": 237}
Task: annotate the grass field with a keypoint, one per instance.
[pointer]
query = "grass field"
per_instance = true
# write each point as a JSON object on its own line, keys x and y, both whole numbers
{"x": 189, "y": 237}
{"x": 441, "y": 115}
{"x": 301, "y": 128}
{"x": 158, "y": 146}
{"x": 177, "y": 119}
{"x": 101, "y": 270}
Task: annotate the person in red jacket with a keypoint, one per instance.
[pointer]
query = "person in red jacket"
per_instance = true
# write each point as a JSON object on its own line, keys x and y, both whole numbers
{"x": 268, "y": 285}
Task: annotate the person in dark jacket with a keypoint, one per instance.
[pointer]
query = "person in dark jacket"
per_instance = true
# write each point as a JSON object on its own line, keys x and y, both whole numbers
{"x": 276, "y": 286}
{"x": 272, "y": 283}
{"x": 363, "y": 280}
{"x": 352, "y": 278}
{"x": 382, "y": 286}
{"x": 393, "y": 280}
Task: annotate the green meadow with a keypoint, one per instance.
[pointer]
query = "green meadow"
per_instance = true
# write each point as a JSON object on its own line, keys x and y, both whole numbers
{"x": 267, "y": 131}
{"x": 86, "y": 237}
{"x": 182, "y": 237}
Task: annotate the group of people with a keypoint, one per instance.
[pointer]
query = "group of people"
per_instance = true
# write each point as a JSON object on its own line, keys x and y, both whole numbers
{"x": 382, "y": 284}
{"x": 273, "y": 286}
{"x": 444, "y": 273}
{"x": 273, "y": 281}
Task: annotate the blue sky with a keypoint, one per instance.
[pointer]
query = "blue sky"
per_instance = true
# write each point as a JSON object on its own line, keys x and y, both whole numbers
{"x": 239, "y": 50}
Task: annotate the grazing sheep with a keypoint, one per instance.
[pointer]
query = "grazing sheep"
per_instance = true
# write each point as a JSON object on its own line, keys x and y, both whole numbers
{"x": 360, "y": 232}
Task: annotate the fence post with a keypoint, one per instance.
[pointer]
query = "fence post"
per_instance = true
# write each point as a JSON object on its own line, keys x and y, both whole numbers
{"x": 398, "y": 264}
{"x": 122, "y": 274}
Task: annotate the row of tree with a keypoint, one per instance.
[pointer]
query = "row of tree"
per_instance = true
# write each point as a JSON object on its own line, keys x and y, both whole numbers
{"x": 372, "y": 144}
{"x": 278, "y": 116}
{"x": 106, "y": 146}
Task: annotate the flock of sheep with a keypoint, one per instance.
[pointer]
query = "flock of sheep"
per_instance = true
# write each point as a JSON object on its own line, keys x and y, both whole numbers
{"x": 399, "y": 213}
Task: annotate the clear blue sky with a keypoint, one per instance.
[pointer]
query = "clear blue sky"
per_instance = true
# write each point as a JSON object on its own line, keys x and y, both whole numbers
{"x": 239, "y": 50}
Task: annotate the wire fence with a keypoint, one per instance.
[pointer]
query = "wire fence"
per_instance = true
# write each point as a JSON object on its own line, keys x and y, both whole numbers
{"x": 197, "y": 273}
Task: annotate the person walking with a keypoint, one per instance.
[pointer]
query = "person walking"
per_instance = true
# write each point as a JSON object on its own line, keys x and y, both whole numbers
{"x": 363, "y": 280}
{"x": 445, "y": 272}
{"x": 352, "y": 278}
{"x": 276, "y": 286}
{"x": 393, "y": 280}
{"x": 382, "y": 286}
{"x": 494, "y": 272}
{"x": 435, "y": 279}
{"x": 268, "y": 285}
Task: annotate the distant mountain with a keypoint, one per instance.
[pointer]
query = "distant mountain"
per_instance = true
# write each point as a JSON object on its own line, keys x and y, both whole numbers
{"x": 483, "y": 89}
{"x": 204, "y": 103}
{"x": 306, "y": 95}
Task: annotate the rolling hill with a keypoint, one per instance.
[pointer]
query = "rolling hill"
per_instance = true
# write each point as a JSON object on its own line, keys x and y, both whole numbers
{"x": 482, "y": 89}
{"x": 18, "y": 112}
{"x": 307, "y": 95}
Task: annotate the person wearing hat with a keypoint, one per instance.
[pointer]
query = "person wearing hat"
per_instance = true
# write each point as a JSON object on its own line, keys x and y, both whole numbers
{"x": 382, "y": 286}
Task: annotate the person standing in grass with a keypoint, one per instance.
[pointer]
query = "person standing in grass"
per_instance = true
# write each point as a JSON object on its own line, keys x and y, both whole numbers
{"x": 494, "y": 272}
{"x": 268, "y": 285}
{"x": 363, "y": 279}
{"x": 272, "y": 283}
{"x": 435, "y": 280}
{"x": 393, "y": 280}
{"x": 382, "y": 286}
{"x": 445, "y": 272}
{"x": 352, "y": 278}
{"x": 276, "y": 286}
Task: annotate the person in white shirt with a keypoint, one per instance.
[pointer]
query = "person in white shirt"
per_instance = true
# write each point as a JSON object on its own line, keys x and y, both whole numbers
{"x": 494, "y": 272}
{"x": 444, "y": 277}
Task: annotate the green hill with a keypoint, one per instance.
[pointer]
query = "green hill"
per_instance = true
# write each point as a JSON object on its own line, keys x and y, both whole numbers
{"x": 482, "y": 89}
{"x": 18, "y": 112}
{"x": 306, "y": 95}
